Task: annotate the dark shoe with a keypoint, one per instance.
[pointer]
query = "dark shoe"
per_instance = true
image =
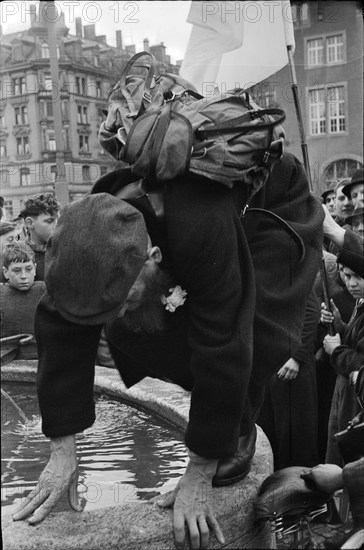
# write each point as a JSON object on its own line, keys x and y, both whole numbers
{"x": 236, "y": 467}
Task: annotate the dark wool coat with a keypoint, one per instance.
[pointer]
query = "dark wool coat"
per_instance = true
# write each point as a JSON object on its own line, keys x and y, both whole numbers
{"x": 289, "y": 414}
{"x": 346, "y": 358}
{"x": 205, "y": 248}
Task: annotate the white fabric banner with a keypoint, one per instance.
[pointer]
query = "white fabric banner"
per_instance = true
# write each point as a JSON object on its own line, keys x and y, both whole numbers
{"x": 236, "y": 44}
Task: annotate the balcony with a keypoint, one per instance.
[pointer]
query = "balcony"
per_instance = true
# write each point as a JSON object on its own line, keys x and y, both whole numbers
{"x": 50, "y": 156}
{"x": 44, "y": 93}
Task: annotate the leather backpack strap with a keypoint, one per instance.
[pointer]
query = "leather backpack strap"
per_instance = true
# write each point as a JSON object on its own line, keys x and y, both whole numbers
{"x": 136, "y": 190}
{"x": 284, "y": 224}
{"x": 146, "y": 98}
{"x": 243, "y": 123}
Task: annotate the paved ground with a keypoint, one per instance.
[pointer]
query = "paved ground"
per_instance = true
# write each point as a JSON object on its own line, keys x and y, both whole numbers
{"x": 324, "y": 535}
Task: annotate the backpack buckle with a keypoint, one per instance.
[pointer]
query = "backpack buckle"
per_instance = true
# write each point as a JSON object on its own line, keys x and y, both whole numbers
{"x": 243, "y": 210}
{"x": 266, "y": 157}
{"x": 147, "y": 97}
{"x": 169, "y": 95}
{"x": 254, "y": 113}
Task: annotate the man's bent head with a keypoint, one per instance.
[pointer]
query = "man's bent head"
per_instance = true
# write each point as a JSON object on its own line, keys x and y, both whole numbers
{"x": 94, "y": 257}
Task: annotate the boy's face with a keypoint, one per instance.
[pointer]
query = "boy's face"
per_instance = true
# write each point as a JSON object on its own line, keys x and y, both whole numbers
{"x": 344, "y": 206}
{"x": 41, "y": 227}
{"x": 357, "y": 194}
{"x": 8, "y": 240}
{"x": 330, "y": 201}
{"x": 20, "y": 274}
{"x": 354, "y": 283}
{"x": 358, "y": 225}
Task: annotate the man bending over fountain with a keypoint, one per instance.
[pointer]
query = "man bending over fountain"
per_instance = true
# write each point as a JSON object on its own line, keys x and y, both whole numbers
{"x": 178, "y": 297}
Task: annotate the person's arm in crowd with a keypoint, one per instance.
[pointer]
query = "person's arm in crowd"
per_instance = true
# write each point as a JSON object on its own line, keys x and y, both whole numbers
{"x": 301, "y": 353}
{"x": 327, "y": 477}
{"x": 350, "y": 244}
{"x": 327, "y": 317}
{"x": 345, "y": 359}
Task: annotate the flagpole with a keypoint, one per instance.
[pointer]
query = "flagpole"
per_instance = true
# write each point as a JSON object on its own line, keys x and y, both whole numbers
{"x": 297, "y": 105}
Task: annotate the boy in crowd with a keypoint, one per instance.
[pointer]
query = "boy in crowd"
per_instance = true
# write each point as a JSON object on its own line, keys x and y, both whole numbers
{"x": 20, "y": 296}
{"x": 346, "y": 350}
{"x": 354, "y": 190}
{"x": 40, "y": 215}
{"x": 329, "y": 198}
{"x": 356, "y": 220}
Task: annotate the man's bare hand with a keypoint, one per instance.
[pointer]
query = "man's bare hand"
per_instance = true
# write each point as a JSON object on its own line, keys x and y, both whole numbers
{"x": 327, "y": 477}
{"x": 332, "y": 230}
{"x": 331, "y": 342}
{"x": 289, "y": 370}
{"x": 327, "y": 318}
{"x": 191, "y": 501}
{"x": 60, "y": 475}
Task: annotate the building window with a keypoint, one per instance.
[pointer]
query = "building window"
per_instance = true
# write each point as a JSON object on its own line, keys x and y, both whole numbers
{"x": 343, "y": 168}
{"x": 83, "y": 144}
{"x": 66, "y": 140}
{"x": 65, "y": 110}
{"x": 21, "y": 115}
{"x": 24, "y": 114}
{"x": 48, "y": 83}
{"x": 45, "y": 51}
{"x": 317, "y": 112}
{"x": 18, "y": 85}
{"x": 53, "y": 173}
{"x": 315, "y": 52}
{"x": 82, "y": 114}
{"x": 4, "y": 177}
{"x": 98, "y": 88}
{"x": 49, "y": 109}
{"x": 22, "y": 145}
{"x": 96, "y": 60}
{"x": 86, "y": 173}
{"x": 327, "y": 110}
{"x": 336, "y": 105}
{"x": 3, "y": 149}
{"x": 49, "y": 140}
{"x": 300, "y": 14}
{"x": 17, "y": 116}
{"x": 103, "y": 170}
{"x": 80, "y": 85}
{"x": 8, "y": 207}
{"x": 264, "y": 94}
{"x": 327, "y": 50}
{"x": 335, "y": 49}
{"x": 2, "y": 120}
{"x": 25, "y": 176}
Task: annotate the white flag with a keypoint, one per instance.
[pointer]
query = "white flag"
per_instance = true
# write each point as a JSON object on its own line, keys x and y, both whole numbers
{"x": 236, "y": 44}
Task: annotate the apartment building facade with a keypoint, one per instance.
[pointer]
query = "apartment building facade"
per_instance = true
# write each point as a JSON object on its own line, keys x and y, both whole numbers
{"x": 88, "y": 69}
{"x": 328, "y": 60}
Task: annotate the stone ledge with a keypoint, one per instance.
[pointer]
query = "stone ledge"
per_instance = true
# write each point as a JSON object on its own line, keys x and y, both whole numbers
{"x": 139, "y": 525}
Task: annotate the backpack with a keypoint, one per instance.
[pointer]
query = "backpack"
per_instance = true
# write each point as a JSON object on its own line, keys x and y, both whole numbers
{"x": 161, "y": 127}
